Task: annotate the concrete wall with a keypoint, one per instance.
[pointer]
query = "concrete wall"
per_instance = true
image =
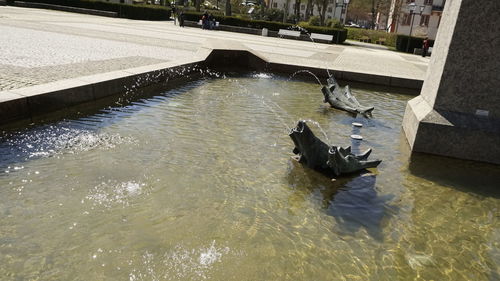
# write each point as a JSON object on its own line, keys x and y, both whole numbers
{"x": 458, "y": 111}
{"x": 470, "y": 75}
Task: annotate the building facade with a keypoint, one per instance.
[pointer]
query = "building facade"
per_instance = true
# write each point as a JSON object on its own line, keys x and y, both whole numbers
{"x": 423, "y": 21}
{"x": 335, "y": 9}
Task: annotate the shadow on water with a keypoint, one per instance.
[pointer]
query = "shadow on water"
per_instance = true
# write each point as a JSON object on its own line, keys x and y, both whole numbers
{"x": 357, "y": 205}
{"x": 352, "y": 200}
{"x": 467, "y": 176}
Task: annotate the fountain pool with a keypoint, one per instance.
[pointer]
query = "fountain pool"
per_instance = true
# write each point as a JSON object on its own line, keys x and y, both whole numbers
{"x": 197, "y": 183}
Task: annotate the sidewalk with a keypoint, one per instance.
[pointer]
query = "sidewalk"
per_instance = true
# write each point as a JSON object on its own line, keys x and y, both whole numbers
{"x": 366, "y": 45}
{"x": 41, "y": 46}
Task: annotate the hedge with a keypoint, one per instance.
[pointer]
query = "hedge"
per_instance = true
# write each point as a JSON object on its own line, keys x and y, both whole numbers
{"x": 374, "y": 35}
{"x": 138, "y": 12}
{"x": 402, "y": 42}
{"x": 340, "y": 35}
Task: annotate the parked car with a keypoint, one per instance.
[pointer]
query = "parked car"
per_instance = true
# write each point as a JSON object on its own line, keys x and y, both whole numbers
{"x": 352, "y": 25}
{"x": 248, "y": 3}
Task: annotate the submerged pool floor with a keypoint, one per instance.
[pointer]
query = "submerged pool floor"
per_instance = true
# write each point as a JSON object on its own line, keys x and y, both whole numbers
{"x": 197, "y": 183}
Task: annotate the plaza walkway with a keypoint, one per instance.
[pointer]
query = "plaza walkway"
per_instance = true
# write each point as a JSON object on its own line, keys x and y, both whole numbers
{"x": 39, "y": 46}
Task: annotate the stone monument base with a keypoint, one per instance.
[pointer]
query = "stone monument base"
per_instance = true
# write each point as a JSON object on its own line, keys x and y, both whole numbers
{"x": 452, "y": 134}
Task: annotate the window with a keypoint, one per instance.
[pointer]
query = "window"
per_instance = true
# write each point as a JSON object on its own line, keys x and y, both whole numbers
{"x": 302, "y": 7}
{"x": 424, "y": 20}
{"x": 428, "y": 2}
{"x": 406, "y": 19}
{"x": 410, "y": 1}
{"x": 275, "y": 5}
{"x": 294, "y": 6}
{"x": 329, "y": 17}
{"x": 329, "y": 9}
{"x": 439, "y": 21}
{"x": 330, "y": 1}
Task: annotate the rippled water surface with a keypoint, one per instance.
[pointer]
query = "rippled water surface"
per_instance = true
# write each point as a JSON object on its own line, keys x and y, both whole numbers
{"x": 197, "y": 183}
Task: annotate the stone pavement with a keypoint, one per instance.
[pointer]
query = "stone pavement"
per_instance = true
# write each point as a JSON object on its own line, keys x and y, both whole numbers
{"x": 39, "y": 46}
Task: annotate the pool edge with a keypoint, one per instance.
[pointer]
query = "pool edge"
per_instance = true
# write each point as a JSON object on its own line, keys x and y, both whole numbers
{"x": 29, "y": 102}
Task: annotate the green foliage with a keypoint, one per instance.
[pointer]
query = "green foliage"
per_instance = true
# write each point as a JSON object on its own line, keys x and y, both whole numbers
{"x": 208, "y": 6}
{"x": 374, "y": 35}
{"x": 292, "y": 18}
{"x": 314, "y": 21}
{"x": 334, "y": 23}
{"x": 339, "y": 35}
{"x": 139, "y": 12}
{"x": 402, "y": 42}
{"x": 269, "y": 15}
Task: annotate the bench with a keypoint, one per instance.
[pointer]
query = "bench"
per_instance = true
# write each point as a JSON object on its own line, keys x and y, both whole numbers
{"x": 200, "y": 22}
{"x": 365, "y": 39}
{"x": 418, "y": 51}
{"x": 324, "y": 37}
{"x": 380, "y": 41}
{"x": 286, "y": 32}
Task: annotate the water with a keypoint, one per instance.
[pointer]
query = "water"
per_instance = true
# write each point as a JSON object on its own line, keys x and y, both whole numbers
{"x": 308, "y": 72}
{"x": 197, "y": 183}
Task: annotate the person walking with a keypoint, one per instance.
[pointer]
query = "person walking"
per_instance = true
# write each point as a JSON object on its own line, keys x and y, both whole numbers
{"x": 204, "y": 21}
{"x": 174, "y": 10}
{"x": 425, "y": 47}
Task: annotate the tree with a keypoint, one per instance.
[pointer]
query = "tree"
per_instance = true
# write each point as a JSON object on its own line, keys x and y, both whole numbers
{"x": 228, "y": 7}
{"x": 356, "y": 14}
{"x": 297, "y": 9}
{"x": 396, "y": 11}
{"x": 287, "y": 4}
{"x": 309, "y": 10}
{"x": 321, "y": 5}
{"x": 383, "y": 9}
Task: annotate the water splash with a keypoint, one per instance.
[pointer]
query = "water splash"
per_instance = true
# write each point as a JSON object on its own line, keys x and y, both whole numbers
{"x": 276, "y": 114}
{"x": 180, "y": 263}
{"x": 319, "y": 127}
{"x": 262, "y": 75}
{"x": 163, "y": 77}
{"x": 305, "y": 71}
{"x": 269, "y": 105}
{"x": 111, "y": 193}
{"x": 51, "y": 140}
{"x": 302, "y": 29}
